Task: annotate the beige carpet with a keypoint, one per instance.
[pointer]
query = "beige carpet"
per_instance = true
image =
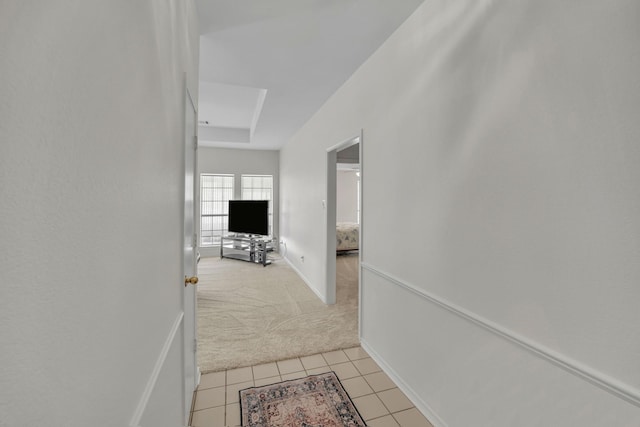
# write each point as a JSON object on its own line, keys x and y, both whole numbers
{"x": 249, "y": 314}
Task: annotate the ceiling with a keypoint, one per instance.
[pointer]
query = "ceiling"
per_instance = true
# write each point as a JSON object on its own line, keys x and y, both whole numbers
{"x": 266, "y": 66}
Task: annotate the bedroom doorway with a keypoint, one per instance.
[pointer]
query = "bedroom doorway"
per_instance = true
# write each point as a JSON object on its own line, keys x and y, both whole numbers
{"x": 344, "y": 207}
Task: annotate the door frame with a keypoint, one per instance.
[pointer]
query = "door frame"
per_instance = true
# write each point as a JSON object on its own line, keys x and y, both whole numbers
{"x": 331, "y": 207}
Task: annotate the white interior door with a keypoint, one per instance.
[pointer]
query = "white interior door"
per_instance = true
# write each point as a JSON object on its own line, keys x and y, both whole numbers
{"x": 190, "y": 255}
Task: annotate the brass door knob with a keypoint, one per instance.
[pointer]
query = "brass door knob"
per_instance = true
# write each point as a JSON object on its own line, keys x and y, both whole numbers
{"x": 190, "y": 280}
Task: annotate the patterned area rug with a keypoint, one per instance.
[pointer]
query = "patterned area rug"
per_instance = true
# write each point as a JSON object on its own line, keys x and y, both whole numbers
{"x": 314, "y": 401}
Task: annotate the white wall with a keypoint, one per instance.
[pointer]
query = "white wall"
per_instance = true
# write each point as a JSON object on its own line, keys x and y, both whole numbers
{"x": 91, "y": 184}
{"x": 510, "y": 130}
{"x": 239, "y": 162}
{"x": 346, "y": 196}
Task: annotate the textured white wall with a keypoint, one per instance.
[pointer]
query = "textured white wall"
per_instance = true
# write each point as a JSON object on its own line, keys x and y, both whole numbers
{"x": 346, "y": 196}
{"x": 91, "y": 182}
{"x": 510, "y": 130}
{"x": 303, "y": 184}
{"x": 239, "y": 162}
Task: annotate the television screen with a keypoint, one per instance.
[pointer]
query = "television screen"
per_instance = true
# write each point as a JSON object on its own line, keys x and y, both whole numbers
{"x": 249, "y": 216}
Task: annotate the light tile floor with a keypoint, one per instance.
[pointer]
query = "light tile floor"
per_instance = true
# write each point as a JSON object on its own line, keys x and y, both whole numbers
{"x": 374, "y": 394}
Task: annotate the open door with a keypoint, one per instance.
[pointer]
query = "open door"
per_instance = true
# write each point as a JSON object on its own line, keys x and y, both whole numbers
{"x": 191, "y": 374}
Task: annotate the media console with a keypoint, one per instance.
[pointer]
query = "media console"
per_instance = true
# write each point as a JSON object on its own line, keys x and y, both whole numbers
{"x": 246, "y": 247}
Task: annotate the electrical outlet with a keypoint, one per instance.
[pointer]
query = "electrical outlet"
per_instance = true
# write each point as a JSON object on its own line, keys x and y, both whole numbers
{"x": 302, "y": 258}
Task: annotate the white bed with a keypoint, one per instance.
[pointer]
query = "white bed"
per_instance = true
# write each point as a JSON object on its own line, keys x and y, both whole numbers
{"x": 347, "y": 236}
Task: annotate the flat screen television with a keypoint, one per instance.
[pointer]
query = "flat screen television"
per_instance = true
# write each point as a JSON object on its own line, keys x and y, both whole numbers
{"x": 249, "y": 216}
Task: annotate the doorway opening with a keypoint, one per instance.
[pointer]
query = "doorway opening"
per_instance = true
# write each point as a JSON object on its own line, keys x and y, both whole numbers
{"x": 344, "y": 220}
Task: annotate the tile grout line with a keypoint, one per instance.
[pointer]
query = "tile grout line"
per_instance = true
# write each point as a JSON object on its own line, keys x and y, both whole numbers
{"x": 306, "y": 371}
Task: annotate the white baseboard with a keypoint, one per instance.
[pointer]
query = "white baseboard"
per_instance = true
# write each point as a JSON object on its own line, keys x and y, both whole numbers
{"x": 421, "y": 405}
{"x": 144, "y": 400}
{"x": 305, "y": 280}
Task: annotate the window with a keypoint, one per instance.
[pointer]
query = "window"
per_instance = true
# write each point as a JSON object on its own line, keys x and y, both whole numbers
{"x": 215, "y": 193}
{"x": 259, "y": 187}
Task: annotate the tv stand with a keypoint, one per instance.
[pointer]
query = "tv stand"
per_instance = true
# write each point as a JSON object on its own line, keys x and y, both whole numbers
{"x": 246, "y": 247}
